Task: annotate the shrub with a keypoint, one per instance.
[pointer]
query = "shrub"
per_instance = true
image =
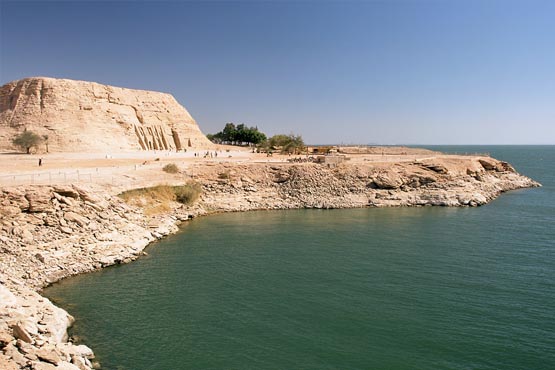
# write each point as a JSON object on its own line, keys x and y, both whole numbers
{"x": 158, "y": 199}
{"x": 224, "y": 175}
{"x": 170, "y": 168}
{"x": 152, "y": 200}
{"x": 159, "y": 192}
{"x": 188, "y": 193}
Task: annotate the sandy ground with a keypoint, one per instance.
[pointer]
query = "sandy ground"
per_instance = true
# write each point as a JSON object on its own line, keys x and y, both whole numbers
{"x": 139, "y": 168}
{"x": 121, "y": 171}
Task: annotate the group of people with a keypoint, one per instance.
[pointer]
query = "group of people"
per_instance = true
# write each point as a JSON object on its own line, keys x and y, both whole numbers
{"x": 208, "y": 154}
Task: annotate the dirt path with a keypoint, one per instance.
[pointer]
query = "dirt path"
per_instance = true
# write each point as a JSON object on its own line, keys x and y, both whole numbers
{"x": 122, "y": 171}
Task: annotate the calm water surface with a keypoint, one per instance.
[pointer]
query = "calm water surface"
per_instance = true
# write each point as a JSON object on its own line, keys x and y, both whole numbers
{"x": 405, "y": 288}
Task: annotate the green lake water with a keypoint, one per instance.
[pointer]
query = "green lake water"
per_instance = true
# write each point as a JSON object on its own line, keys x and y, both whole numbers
{"x": 401, "y": 288}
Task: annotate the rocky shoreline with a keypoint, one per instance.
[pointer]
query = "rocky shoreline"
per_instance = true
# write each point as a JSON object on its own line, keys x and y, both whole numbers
{"x": 48, "y": 233}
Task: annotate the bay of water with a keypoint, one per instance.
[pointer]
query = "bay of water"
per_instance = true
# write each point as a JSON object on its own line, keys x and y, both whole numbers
{"x": 402, "y": 288}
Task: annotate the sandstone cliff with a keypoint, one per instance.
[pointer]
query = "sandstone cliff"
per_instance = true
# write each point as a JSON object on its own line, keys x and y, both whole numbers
{"x": 90, "y": 117}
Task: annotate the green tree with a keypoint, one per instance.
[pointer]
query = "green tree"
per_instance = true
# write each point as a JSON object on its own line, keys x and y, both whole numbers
{"x": 229, "y": 133}
{"x": 215, "y": 138}
{"x": 287, "y": 143}
{"x": 278, "y": 140}
{"x": 256, "y": 137}
{"x": 241, "y": 133}
{"x": 26, "y": 140}
{"x": 238, "y": 135}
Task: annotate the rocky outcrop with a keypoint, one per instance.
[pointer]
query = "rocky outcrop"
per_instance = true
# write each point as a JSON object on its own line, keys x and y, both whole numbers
{"x": 90, "y": 117}
{"x": 46, "y": 234}
{"x": 33, "y": 332}
{"x": 438, "y": 182}
{"x": 50, "y": 232}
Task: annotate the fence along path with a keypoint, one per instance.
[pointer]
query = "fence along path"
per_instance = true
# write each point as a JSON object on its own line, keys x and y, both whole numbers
{"x": 63, "y": 168}
{"x": 114, "y": 175}
{"x": 56, "y": 177}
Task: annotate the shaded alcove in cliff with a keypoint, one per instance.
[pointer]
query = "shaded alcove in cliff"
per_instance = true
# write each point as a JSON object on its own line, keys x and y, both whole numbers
{"x": 176, "y": 140}
{"x": 153, "y": 138}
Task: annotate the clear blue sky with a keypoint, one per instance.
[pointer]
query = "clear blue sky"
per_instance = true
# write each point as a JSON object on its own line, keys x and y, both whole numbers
{"x": 387, "y": 72}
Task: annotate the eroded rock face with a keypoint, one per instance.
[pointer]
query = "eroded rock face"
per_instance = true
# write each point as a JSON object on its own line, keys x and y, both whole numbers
{"x": 437, "y": 182}
{"x": 48, "y": 233}
{"x": 90, "y": 117}
{"x": 33, "y": 332}
{"x": 387, "y": 180}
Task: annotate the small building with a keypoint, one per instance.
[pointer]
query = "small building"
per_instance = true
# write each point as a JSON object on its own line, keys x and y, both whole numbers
{"x": 322, "y": 149}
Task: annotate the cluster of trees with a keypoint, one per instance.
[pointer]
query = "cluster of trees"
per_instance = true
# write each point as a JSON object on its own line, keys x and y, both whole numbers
{"x": 238, "y": 135}
{"x": 243, "y": 135}
{"x": 286, "y": 143}
{"x": 28, "y": 140}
